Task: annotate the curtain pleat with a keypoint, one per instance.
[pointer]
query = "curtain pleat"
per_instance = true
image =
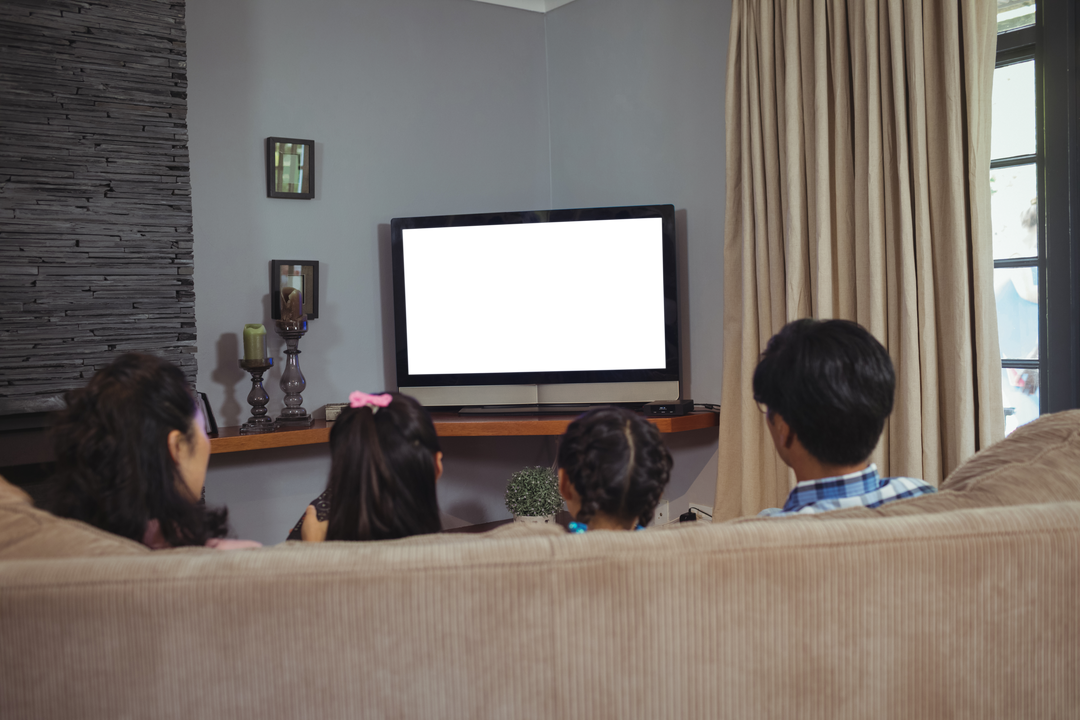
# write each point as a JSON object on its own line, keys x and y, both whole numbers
{"x": 858, "y": 158}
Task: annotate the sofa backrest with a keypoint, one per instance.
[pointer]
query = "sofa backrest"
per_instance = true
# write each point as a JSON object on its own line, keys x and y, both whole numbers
{"x": 931, "y": 615}
{"x": 1039, "y": 462}
{"x": 902, "y": 612}
{"x": 28, "y": 533}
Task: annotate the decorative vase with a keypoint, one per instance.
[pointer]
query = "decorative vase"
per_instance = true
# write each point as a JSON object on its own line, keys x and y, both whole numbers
{"x": 293, "y": 415}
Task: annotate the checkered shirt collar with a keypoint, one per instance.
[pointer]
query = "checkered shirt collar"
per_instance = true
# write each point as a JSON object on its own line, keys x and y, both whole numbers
{"x": 834, "y": 488}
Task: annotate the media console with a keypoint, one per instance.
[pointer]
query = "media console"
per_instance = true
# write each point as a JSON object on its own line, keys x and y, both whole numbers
{"x": 447, "y": 425}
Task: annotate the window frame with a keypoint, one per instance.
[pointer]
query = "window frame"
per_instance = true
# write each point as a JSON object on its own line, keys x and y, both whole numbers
{"x": 1014, "y": 47}
{"x": 1055, "y": 34}
{"x": 1057, "y": 31}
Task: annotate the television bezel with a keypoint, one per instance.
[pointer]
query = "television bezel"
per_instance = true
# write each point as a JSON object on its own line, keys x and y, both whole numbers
{"x": 667, "y": 375}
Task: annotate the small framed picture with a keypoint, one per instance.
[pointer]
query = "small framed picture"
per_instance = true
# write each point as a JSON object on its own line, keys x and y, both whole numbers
{"x": 300, "y": 274}
{"x": 290, "y": 168}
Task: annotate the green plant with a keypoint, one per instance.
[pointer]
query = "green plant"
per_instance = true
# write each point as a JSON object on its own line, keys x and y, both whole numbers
{"x": 533, "y": 491}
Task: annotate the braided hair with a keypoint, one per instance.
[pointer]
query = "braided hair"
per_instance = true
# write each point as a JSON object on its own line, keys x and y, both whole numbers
{"x": 618, "y": 464}
{"x": 382, "y": 472}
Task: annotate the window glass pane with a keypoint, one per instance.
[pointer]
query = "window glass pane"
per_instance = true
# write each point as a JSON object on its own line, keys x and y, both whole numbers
{"x": 1014, "y": 14}
{"x": 1017, "y": 293}
{"x": 1020, "y": 396}
{"x": 1012, "y": 130}
{"x": 1015, "y": 212}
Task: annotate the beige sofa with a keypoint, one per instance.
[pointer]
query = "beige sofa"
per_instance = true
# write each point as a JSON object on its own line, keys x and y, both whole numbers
{"x": 962, "y": 604}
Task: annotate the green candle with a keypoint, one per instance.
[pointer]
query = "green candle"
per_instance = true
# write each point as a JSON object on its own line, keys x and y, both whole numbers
{"x": 254, "y": 342}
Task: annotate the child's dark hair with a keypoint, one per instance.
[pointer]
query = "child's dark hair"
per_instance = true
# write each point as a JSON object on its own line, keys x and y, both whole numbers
{"x": 618, "y": 464}
{"x": 833, "y": 384}
{"x": 382, "y": 472}
{"x": 113, "y": 467}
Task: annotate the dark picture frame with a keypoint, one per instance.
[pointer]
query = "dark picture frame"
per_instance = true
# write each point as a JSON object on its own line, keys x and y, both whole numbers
{"x": 300, "y": 274}
{"x": 290, "y": 168}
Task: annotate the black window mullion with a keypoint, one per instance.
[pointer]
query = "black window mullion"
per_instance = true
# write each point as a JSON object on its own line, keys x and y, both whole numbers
{"x": 1020, "y": 363}
{"x": 1058, "y": 118}
{"x": 1014, "y": 161}
{"x": 1015, "y": 43}
{"x": 1021, "y": 262}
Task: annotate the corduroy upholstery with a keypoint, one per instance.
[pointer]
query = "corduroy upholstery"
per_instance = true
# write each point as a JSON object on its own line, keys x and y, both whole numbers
{"x": 26, "y": 532}
{"x": 965, "y": 612}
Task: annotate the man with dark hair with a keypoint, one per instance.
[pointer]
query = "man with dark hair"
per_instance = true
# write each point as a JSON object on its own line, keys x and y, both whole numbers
{"x": 827, "y": 387}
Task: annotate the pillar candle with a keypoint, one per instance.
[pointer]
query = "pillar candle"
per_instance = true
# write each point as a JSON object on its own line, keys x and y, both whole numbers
{"x": 254, "y": 342}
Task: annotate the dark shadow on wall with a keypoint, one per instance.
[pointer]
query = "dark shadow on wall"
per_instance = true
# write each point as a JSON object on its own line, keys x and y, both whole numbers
{"x": 386, "y": 299}
{"x": 324, "y": 335}
{"x": 228, "y": 374}
{"x": 683, "y": 271}
{"x": 693, "y": 451}
{"x": 275, "y": 348}
{"x": 464, "y": 513}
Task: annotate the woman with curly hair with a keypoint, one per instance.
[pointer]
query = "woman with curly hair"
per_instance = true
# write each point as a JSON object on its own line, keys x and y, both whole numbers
{"x": 613, "y": 468}
{"x": 131, "y": 457}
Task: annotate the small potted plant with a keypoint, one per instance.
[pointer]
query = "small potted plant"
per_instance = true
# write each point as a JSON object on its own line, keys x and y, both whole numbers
{"x": 532, "y": 495}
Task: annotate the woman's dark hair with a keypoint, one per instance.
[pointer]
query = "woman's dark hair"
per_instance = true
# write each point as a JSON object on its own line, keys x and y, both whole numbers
{"x": 382, "y": 472}
{"x": 618, "y": 464}
{"x": 833, "y": 384}
{"x": 113, "y": 467}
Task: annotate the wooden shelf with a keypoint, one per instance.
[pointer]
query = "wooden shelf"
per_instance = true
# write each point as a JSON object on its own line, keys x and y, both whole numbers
{"x": 229, "y": 439}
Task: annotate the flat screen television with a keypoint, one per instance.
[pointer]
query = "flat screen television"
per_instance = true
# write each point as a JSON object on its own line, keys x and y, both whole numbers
{"x": 537, "y": 309}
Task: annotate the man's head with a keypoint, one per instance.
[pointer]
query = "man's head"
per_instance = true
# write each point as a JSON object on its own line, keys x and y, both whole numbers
{"x": 832, "y": 383}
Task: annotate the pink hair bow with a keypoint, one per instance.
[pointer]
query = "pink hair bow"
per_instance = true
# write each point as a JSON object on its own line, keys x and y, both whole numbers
{"x": 361, "y": 399}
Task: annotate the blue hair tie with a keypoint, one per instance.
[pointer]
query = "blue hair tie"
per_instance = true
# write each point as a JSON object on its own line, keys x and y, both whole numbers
{"x": 576, "y": 527}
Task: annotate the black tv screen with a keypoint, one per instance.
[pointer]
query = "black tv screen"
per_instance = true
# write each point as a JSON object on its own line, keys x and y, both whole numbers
{"x": 573, "y": 306}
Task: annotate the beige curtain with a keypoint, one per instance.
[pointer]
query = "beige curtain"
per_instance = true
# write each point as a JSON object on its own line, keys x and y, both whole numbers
{"x": 858, "y": 161}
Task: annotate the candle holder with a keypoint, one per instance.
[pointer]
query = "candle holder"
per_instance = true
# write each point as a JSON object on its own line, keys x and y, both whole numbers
{"x": 293, "y": 415}
{"x": 259, "y": 422}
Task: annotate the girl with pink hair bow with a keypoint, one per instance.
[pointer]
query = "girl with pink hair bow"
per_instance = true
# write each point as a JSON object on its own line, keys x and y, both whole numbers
{"x": 385, "y": 459}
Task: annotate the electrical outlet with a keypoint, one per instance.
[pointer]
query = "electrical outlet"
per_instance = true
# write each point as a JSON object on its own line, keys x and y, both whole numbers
{"x": 701, "y": 510}
{"x": 661, "y": 516}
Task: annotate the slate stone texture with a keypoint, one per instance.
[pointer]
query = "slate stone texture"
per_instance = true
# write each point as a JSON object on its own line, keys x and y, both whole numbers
{"x": 95, "y": 193}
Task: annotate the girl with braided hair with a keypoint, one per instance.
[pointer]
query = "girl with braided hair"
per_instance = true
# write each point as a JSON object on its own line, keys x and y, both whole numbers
{"x": 613, "y": 468}
{"x": 385, "y": 459}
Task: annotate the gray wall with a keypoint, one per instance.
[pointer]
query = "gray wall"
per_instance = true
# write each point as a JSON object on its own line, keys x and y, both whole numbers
{"x": 416, "y": 106}
{"x": 426, "y": 107}
{"x": 636, "y": 92}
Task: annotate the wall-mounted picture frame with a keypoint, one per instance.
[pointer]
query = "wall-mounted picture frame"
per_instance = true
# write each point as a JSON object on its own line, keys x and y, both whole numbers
{"x": 290, "y": 168}
{"x": 300, "y": 274}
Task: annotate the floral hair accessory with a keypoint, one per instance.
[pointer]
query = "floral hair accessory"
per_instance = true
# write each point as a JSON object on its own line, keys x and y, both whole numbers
{"x": 359, "y": 399}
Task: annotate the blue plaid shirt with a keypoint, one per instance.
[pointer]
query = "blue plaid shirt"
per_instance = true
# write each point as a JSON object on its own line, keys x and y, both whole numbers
{"x": 858, "y": 489}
